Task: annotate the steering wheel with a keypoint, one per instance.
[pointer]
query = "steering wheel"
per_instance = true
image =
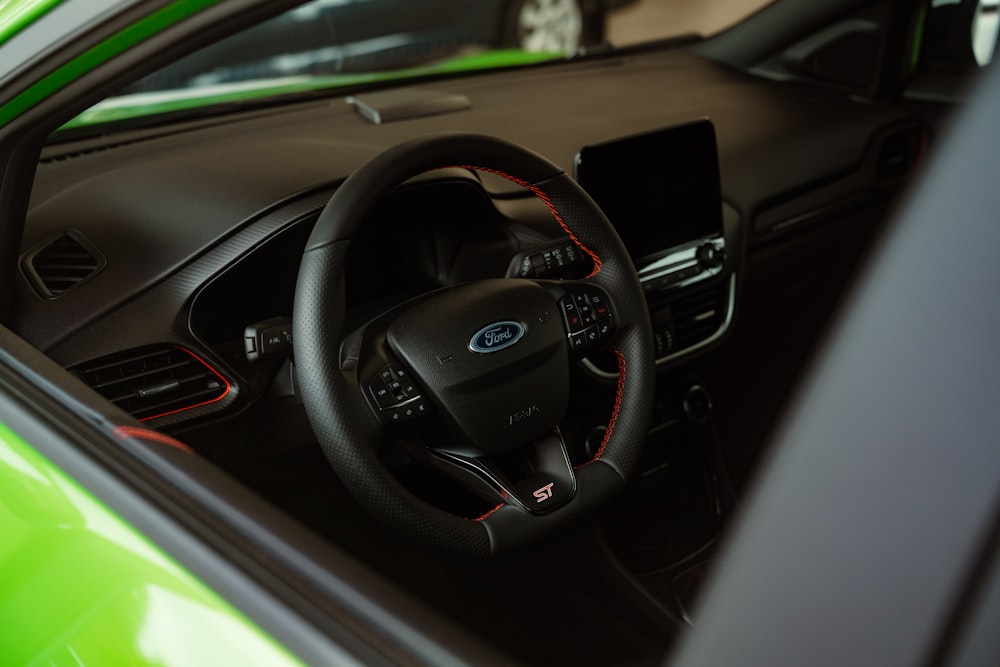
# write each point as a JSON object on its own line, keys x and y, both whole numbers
{"x": 480, "y": 371}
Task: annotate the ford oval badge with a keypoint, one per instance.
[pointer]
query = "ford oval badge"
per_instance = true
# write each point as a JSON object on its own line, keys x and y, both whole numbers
{"x": 497, "y": 336}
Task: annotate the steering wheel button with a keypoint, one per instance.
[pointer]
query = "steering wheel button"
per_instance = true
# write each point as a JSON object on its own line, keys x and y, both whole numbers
{"x": 383, "y": 397}
{"x": 409, "y": 411}
{"x": 578, "y": 340}
{"x": 571, "y": 316}
{"x": 385, "y": 374}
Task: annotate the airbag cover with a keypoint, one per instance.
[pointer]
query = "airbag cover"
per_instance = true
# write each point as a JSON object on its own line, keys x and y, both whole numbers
{"x": 494, "y": 359}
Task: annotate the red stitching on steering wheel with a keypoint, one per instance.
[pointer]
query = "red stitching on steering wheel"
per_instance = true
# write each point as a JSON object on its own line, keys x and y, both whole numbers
{"x": 616, "y": 409}
{"x": 538, "y": 192}
{"x": 490, "y": 513}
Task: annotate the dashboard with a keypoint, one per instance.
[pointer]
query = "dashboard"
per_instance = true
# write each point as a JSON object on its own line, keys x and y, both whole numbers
{"x": 191, "y": 234}
{"x": 159, "y": 266}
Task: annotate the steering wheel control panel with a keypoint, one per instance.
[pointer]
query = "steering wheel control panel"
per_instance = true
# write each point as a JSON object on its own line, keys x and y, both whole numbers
{"x": 564, "y": 259}
{"x": 396, "y": 395}
{"x": 587, "y": 317}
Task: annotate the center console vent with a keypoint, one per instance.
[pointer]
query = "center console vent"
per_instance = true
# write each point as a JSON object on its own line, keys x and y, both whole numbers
{"x": 697, "y": 317}
{"x": 682, "y": 324}
{"x": 154, "y": 382}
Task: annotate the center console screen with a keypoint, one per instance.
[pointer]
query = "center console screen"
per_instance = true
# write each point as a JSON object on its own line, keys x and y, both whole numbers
{"x": 660, "y": 189}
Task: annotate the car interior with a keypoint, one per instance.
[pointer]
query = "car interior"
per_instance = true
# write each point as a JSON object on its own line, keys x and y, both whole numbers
{"x": 388, "y": 331}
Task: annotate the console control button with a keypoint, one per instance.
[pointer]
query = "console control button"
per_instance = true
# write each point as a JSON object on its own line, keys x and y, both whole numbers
{"x": 587, "y": 317}
{"x": 603, "y": 329}
{"x": 689, "y": 272}
{"x": 710, "y": 256}
{"x": 380, "y": 392}
{"x": 396, "y": 395}
{"x": 562, "y": 260}
{"x": 571, "y": 316}
{"x": 664, "y": 341}
{"x": 268, "y": 339}
{"x": 578, "y": 341}
{"x": 405, "y": 413}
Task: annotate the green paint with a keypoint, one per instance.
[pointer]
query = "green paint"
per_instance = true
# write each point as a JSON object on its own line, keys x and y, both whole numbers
{"x": 16, "y": 15}
{"x": 106, "y": 50}
{"x": 138, "y": 106}
{"x": 79, "y": 586}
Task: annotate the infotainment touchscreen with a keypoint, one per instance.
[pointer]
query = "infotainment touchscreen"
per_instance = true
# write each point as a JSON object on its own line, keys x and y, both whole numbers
{"x": 659, "y": 189}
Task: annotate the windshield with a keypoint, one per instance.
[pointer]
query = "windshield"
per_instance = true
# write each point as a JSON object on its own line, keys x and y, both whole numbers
{"x": 356, "y": 43}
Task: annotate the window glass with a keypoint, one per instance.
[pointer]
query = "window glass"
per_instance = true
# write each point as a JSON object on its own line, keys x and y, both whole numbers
{"x": 351, "y": 43}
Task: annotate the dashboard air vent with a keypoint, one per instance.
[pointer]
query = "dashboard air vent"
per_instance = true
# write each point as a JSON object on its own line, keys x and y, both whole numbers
{"x": 697, "y": 317}
{"x": 61, "y": 263}
{"x": 154, "y": 382}
{"x": 680, "y": 326}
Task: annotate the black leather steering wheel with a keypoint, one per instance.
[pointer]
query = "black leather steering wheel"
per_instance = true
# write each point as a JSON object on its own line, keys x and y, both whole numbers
{"x": 482, "y": 365}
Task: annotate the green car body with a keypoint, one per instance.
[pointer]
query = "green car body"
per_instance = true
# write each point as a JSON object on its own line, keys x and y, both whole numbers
{"x": 14, "y": 16}
{"x": 80, "y": 586}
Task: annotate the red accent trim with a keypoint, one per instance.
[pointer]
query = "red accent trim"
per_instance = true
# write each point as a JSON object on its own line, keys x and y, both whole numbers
{"x": 490, "y": 513}
{"x": 140, "y": 433}
{"x": 538, "y": 192}
{"x": 615, "y": 410}
{"x": 225, "y": 392}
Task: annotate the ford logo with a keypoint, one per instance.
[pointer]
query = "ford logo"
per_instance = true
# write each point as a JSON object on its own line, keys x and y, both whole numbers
{"x": 497, "y": 336}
